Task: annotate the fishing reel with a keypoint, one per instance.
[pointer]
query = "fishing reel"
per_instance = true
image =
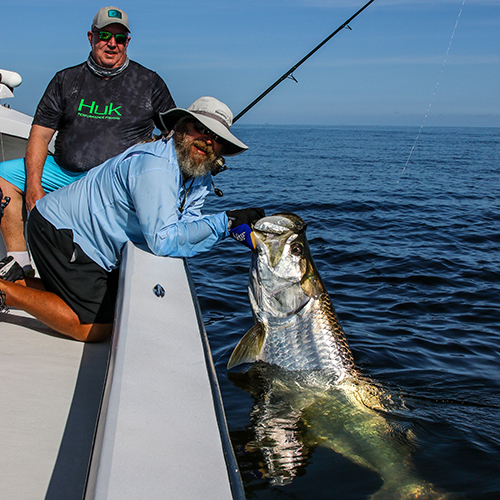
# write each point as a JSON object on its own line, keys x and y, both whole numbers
{"x": 220, "y": 166}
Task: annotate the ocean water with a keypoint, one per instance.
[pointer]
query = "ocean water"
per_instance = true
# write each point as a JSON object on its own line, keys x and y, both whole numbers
{"x": 412, "y": 264}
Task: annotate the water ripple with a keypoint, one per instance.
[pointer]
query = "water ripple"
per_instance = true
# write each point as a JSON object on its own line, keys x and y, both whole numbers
{"x": 413, "y": 270}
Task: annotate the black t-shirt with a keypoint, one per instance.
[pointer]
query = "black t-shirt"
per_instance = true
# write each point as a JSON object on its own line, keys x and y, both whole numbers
{"x": 97, "y": 119}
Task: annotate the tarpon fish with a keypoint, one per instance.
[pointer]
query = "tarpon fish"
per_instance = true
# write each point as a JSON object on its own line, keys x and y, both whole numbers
{"x": 296, "y": 325}
{"x": 310, "y": 380}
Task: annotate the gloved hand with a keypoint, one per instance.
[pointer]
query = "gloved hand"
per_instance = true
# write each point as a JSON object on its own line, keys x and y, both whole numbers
{"x": 240, "y": 224}
{"x": 3, "y": 203}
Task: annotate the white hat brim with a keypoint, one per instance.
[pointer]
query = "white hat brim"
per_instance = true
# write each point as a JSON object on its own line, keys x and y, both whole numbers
{"x": 232, "y": 145}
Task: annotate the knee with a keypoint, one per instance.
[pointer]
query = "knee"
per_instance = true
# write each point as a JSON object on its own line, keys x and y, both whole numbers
{"x": 98, "y": 332}
{"x": 9, "y": 189}
{"x": 11, "y": 203}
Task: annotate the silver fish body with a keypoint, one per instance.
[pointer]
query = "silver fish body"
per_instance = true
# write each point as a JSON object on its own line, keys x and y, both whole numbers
{"x": 296, "y": 325}
{"x": 308, "y": 375}
{"x": 311, "y": 339}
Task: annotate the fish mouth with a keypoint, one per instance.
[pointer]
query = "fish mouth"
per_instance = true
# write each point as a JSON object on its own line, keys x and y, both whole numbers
{"x": 273, "y": 233}
{"x": 280, "y": 223}
{"x": 275, "y": 281}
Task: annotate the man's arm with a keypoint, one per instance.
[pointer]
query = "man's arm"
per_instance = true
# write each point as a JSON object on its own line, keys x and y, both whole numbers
{"x": 153, "y": 190}
{"x": 36, "y": 154}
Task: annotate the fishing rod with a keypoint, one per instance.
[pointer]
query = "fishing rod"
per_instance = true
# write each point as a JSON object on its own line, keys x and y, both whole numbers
{"x": 220, "y": 164}
{"x": 291, "y": 70}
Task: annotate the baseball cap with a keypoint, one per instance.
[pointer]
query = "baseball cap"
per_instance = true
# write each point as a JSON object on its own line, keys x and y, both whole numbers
{"x": 215, "y": 115}
{"x": 110, "y": 15}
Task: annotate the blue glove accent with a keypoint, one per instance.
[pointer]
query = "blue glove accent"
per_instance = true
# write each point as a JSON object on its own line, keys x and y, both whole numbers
{"x": 244, "y": 234}
{"x": 240, "y": 224}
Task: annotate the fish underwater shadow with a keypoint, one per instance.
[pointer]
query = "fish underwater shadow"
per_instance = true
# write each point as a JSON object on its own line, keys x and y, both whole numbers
{"x": 308, "y": 394}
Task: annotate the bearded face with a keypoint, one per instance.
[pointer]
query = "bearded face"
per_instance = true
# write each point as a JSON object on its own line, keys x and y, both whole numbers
{"x": 196, "y": 156}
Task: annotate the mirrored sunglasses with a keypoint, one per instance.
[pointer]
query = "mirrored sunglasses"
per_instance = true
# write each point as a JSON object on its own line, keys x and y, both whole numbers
{"x": 201, "y": 129}
{"x": 106, "y": 36}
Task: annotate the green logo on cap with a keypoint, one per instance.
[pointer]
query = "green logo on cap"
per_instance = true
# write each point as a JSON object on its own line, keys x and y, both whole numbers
{"x": 115, "y": 13}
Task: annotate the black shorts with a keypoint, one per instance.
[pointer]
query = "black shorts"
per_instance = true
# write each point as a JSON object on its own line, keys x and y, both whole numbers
{"x": 69, "y": 273}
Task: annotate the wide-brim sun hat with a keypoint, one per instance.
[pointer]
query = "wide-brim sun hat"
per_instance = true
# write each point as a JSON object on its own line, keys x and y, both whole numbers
{"x": 212, "y": 113}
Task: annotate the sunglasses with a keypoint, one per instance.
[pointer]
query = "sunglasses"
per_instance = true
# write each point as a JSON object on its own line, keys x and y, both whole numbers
{"x": 106, "y": 36}
{"x": 201, "y": 129}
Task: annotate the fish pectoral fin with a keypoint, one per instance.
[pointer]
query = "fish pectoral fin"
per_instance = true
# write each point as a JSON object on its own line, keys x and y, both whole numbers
{"x": 249, "y": 347}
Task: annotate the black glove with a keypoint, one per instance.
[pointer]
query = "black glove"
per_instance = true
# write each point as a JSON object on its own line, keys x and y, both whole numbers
{"x": 3, "y": 203}
{"x": 241, "y": 222}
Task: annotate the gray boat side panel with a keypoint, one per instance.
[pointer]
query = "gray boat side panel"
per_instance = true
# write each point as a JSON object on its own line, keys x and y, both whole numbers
{"x": 14, "y": 132}
{"x": 50, "y": 391}
{"x": 161, "y": 438}
{"x": 12, "y": 147}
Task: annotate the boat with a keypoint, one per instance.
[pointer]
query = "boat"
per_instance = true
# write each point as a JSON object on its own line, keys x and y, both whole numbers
{"x": 14, "y": 125}
{"x": 137, "y": 416}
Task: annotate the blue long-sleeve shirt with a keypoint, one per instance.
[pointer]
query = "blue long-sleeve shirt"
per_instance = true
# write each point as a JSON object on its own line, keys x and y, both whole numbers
{"x": 136, "y": 196}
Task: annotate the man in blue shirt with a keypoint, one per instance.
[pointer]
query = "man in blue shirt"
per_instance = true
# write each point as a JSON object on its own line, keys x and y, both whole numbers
{"x": 152, "y": 195}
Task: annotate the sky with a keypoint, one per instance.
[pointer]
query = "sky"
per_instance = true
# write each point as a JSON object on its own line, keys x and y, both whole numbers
{"x": 404, "y": 62}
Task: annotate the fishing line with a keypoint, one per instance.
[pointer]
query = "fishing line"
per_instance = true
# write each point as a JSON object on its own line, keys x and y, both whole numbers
{"x": 435, "y": 91}
{"x": 452, "y": 401}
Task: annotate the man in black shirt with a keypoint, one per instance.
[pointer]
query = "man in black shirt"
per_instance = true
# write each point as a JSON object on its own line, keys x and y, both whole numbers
{"x": 98, "y": 108}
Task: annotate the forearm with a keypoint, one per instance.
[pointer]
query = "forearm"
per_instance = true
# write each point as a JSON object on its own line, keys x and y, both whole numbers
{"x": 187, "y": 239}
{"x": 36, "y": 154}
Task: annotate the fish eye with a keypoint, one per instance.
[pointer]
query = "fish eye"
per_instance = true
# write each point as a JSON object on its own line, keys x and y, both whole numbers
{"x": 297, "y": 249}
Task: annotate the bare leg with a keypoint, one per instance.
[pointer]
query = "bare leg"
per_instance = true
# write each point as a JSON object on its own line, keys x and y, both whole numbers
{"x": 50, "y": 309}
{"x": 12, "y": 223}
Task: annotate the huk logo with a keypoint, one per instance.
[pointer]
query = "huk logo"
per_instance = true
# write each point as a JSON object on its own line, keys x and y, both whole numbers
{"x": 95, "y": 110}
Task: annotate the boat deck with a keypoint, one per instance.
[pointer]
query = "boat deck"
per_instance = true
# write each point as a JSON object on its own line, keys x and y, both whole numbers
{"x": 51, "y": 390}
{"x": 139, "y": 416}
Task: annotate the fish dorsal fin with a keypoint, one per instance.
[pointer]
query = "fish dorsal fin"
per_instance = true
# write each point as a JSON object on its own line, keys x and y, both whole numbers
{"x": 249, "y": 347}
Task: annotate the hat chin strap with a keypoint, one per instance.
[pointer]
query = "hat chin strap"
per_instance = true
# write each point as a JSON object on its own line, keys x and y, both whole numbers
{"x": 220, "y": 166}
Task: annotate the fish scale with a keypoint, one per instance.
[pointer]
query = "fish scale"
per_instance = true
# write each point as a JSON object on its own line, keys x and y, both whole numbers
{"x": 312, "y": 340}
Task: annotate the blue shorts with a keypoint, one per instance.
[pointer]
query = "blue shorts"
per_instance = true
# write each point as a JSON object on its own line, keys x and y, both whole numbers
{"x": 53, "y": 177}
